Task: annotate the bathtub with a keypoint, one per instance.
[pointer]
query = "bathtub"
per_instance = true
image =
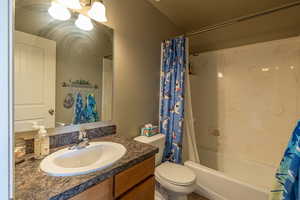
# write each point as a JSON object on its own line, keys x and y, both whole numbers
{"x": 216, "y": 185}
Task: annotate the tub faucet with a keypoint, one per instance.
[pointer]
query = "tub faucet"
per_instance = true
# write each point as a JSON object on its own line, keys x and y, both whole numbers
{"x": 83, "y": 140}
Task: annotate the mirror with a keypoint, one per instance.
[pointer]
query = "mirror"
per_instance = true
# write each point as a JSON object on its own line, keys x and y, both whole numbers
{"x": 63, "y": 69}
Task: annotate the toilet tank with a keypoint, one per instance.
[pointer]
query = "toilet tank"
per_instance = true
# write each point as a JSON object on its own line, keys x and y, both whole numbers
{"x": 157, "y": 141}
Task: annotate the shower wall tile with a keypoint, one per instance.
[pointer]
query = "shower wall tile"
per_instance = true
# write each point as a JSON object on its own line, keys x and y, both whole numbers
{"x": 249, "y": 95}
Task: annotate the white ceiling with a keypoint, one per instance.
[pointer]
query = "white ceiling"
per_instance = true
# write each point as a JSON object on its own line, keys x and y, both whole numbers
{"x": 194, "y": 14}
{"x": 191, "y": 15}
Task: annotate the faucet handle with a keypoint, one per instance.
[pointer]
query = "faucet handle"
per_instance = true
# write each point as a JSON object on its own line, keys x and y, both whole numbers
{"x": 82, "y": 133}
{"x": 82, "y": 128}
{"x": 80, "y": 136}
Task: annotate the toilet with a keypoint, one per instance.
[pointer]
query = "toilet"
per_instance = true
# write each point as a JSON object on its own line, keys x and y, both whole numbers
{"x": 174, "y": 181}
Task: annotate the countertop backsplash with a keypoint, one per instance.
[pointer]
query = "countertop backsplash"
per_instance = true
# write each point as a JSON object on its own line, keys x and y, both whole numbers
{"x": 72, "y": 137}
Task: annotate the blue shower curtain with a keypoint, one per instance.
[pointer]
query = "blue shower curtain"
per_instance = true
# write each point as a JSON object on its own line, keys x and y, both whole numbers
{"x": 172, "y": 96}
{"x": 287, "y": 177}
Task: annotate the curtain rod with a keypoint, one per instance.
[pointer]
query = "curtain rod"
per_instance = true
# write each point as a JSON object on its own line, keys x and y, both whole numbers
{"x": 241, "y": 19}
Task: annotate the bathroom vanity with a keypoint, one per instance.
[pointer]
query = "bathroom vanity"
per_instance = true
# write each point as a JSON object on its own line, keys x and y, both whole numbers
{"x": 63, "y": 80}
{"x": 131, "y": 177}
{"x": 137, "y": 182}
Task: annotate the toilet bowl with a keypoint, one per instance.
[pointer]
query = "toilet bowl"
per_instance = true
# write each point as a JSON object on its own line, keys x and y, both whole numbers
{"x": 178, "y": 180}
{"x": 174, "y": 181}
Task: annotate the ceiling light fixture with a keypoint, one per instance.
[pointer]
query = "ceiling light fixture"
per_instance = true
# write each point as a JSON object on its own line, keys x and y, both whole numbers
{"x": 84, "y": 23}
{"x": 72, "y": 4}
{"x": 98, "y": 12}
{"x": 59, "y": 12}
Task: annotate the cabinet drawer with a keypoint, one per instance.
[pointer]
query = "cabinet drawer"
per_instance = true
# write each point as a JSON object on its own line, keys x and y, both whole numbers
{"x": 125, "y": 180}
{"x": 101, "y": 191}
{"x": 144, "y": 191}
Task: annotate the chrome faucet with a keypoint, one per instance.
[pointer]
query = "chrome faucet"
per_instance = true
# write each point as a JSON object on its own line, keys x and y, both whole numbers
{"x": 83, "y": 140}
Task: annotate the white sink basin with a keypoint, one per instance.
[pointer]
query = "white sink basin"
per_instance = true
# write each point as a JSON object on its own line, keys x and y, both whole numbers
{"x": 96, "y": 156}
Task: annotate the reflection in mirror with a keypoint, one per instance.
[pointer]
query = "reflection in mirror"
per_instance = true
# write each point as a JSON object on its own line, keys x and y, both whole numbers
{"x": 63, "y": 74}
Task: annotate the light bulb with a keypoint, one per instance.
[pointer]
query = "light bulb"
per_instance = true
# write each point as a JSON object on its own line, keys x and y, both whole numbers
{"x": 73, "y": 4}
{"x": 59, "y": 12}
{"x": 98, "y": 12}
{"x": 84, "y": 23}
{"x": 220, "y": 75}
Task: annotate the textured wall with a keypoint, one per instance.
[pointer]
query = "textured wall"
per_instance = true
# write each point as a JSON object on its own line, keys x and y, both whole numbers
{"x": 246, "y": 104}
{"x": 138, "y": 31}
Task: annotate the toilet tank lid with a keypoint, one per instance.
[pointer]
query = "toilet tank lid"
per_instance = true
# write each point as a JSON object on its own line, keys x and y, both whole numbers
{"x": 149, "y": 140}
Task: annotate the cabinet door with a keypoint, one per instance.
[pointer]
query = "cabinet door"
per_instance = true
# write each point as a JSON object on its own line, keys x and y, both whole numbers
{"x": 101, "y": 191}
{"x": 143, "y": 191}
{"x": 127, "y": 179}
{"x": 35, "y": 66}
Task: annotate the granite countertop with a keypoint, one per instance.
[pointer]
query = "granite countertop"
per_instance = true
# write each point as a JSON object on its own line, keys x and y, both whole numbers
{"x": 33, "y": 184}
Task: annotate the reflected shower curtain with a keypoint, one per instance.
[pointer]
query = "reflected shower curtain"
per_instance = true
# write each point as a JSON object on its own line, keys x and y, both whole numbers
{"x": 172, "y": 96}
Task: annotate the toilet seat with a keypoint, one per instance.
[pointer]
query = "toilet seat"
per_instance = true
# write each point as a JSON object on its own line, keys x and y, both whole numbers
{"x": 175, "y": 174}
{"x": 174, "y": 188}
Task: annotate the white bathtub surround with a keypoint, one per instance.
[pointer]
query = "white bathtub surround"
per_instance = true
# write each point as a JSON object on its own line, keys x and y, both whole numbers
{"x": 257, "y": 174}
{"x": 216, "y": 185}
{"x": 251, "y": 111}
{"x": 245, "y": 105}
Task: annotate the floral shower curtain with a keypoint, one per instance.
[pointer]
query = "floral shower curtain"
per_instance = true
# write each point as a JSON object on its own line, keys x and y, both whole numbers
{"x": 287, "y": 179}
{"x": 172, "y": 96}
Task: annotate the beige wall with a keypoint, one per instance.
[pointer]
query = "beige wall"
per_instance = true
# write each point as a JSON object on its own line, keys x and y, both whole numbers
{"x": 253, "y": 108}
{"x": 138, "y": 31}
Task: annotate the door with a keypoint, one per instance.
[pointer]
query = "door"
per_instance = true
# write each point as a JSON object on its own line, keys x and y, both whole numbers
{"x": 107, "y": 90}
{"x": 6, "y": 141}
{"x": 35, "y": 65}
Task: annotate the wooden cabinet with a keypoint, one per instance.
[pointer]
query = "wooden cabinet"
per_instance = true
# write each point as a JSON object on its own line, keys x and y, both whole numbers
{"x": 135, "y": 183}
{"x": 101, "y": 191}
{"x": 127, "y": 179}
{"x": 144, "y": 190}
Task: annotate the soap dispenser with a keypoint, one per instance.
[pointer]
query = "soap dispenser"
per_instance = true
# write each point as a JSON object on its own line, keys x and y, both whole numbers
{"x": 45, "y": 143}
{"x": 41, "y": 142}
